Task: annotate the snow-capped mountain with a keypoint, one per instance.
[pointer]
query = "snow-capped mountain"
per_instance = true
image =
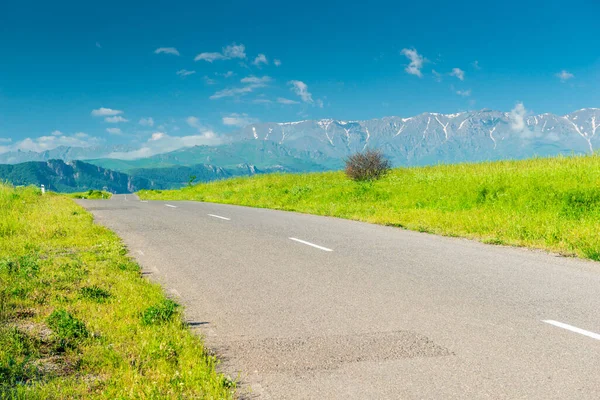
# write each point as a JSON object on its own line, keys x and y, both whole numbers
{"x": 428, "y": 138}
{"x": 431, "y": 137}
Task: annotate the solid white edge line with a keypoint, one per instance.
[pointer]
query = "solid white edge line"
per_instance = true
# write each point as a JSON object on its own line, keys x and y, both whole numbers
{"x": 169, "y": 205}
{"x": 310, "y": 244}
{"x": 573, "y": 329}
{"x": 218, "y": 216}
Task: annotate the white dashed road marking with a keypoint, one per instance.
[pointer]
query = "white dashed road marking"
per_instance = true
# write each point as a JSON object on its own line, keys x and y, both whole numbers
{"x": 310, "y": 244}
{"x": 218, "y": 216}
{"x": 169, "y": 205}
{"x": 573, "y": 329}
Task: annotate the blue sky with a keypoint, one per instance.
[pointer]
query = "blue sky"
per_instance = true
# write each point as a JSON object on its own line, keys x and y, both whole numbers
{"x": 336, "y": 59}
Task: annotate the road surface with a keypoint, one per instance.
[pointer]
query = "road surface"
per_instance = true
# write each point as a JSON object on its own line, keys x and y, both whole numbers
{"x": 308, "y": 307}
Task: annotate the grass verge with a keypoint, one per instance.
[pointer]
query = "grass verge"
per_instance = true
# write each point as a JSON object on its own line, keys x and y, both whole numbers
{"x": 545, "y": 203}
{"x": 77, "y": 320}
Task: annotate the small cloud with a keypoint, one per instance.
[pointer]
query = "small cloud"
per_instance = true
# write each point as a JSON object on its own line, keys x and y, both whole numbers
{"x": 167, "y": 50}
{"x": 157, "y": 136}
{"x": 437, "y": 75}
{"x": 260, "y": 59}
{"x": 104, "y": 112}
{"x": 517, "y": 118}
{"x": 227, "y": 74}
{"x": 564, "y": 76}
{"x": 240, "y": 120}
{"x": 475, "y": 65}
{"x": 282, "y": 100}
{"x": 256, "y": 80}
{"x": 464, "y": 93}
{"x": 459, "y": 73}
{"x": 209, "y": 81}
{"x": 229, "y": 52}
{"x": 81, "y": 135}
{"x": 146, "y": 121}
{"x": 210, "y": 57}
{"x": 416, "y": 62}
{"x": 262, "y": 101}
{"x": 301, "y": 89}
{"x": 115, "y": 120}
{"x": 194, "y": 122}
{"x": 114, "y": 131}
{"x": 98, "y": 45}
{"x": 277, "y": 62}
{"x": 235, "y": 51}
{"x": 56, "y": 133}
{"x": 232, "y": 92}
{"x": 319, "y": 103}
{"x": 184, "y": 72}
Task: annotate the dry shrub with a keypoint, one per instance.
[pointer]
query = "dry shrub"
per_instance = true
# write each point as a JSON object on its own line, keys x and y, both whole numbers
{"x": 367, "y": 166}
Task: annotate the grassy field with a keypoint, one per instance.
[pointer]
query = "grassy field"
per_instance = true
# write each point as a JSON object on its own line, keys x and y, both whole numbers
{"x": 77, "y": 319}
{"x": 91, "y": 195}
{"x": 551, "y": 203}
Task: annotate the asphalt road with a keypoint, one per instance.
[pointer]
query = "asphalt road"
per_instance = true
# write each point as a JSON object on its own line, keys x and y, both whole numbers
{"x": 308, "y": 307}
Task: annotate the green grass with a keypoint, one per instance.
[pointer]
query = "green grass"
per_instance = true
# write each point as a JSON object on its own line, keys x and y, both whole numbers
{"x": 546, "y": 203}
{"x": 77, "y": 319}
{"x": 90, "y": 195}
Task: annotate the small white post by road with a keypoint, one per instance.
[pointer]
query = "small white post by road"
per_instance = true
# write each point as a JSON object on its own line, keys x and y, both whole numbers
{"x": 43, "y": 189}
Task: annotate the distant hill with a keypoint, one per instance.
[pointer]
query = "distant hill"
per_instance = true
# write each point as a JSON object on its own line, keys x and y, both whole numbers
{"x": 77, "y": 176}
{"x": 74, "y": 176}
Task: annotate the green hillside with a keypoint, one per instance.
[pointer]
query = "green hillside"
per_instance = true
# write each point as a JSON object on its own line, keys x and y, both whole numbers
{"x": 551, "y": 203}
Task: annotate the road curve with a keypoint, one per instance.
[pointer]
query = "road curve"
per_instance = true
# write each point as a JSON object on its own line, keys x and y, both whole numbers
{"x": 308, "y": 307}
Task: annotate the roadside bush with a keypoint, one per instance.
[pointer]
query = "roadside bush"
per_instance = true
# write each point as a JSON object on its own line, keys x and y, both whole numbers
{"x": 367, "y": 166}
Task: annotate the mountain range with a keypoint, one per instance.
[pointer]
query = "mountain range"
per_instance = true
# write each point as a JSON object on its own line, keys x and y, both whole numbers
{"x": 318, "y": 145}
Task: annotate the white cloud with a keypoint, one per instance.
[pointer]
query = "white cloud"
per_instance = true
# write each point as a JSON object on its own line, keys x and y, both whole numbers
{"x": 210, "y": 57}
{"x": 161, "y": 142}
{"x": 146, "y": 121}
{"x": 98, "y": 45}
{"x": 114, "y": 131}
{"x": 437, "y": 75}
{"x": 231, "y": 92}
{"x": 564, "y": 76}
{"x": 517, "y": 118}
{"x": 255, "y": 80}
{"x": 464, "y": 93}
{"x": 252, "y": 82}
{"x": 5, "y": 140}
{"x": 260, "y": 59}
{"x": 227, "y": 74}
{"x": 50, "y": 142}
{"x": 56, "y": 133}
{"x": 229, "y": 52}
{"x": 115, "y": 119}
{"x": 184, "y": 72}
{"x": 277, "y": 62}
{"x": 262, "y": 101}
{"x": 459, "y": 73}
{"x": 416, "y": 62}
{"x": 104, "y": 112}
{"x": 301, "y": 89}
{"x": 475, "y": 65}
{"x": 209, "y": 81}
{"x": 167, "y": 50}
{"x": 319, "y": 103}
{"x": 235, "y": 51}
{"x": 283, "y": 100}
{"x": 194, "y": 122}
{"x": 240, "y": 120}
